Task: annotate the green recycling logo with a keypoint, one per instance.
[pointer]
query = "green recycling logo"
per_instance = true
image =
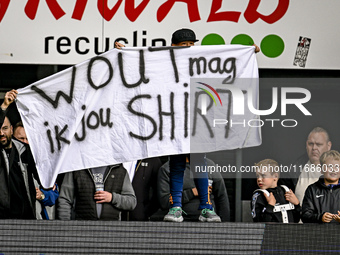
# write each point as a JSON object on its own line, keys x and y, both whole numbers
{"x": 272, "y": 46}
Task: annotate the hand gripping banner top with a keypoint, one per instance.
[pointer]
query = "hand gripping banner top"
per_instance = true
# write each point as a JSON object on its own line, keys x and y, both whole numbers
{"x": 130, "y": 104}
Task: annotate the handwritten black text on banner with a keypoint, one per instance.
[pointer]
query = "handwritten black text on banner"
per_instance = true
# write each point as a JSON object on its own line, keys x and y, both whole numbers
{"x": 123, "y": 105}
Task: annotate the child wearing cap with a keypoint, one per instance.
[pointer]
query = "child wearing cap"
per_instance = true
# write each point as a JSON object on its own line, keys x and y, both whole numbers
{"x": 187, "y": 37}
{"x": 183, "y": 37}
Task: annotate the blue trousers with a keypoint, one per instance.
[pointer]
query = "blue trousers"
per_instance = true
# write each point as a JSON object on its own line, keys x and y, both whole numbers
{"x": 177, "y": 168}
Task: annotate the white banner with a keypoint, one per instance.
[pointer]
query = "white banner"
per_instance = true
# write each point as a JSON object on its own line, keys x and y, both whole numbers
{"x": 291, "y": 34}
{"x": 126, "y": 105}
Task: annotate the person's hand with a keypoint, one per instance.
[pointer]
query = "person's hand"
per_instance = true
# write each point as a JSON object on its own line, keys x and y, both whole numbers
{"x": 102, "y": 197}
{"x": 257, "y": 48}
{"x": 336, "y": 217}
{"x": 271, "y": 199}
{"x": 119, "y": 45}
{"x": 290, "y": 197}
{"x": 38, "y": 194}
{"x": 10, "y": 96}
{"x": 194, "y": 190}
{"x": 327, "y": 217}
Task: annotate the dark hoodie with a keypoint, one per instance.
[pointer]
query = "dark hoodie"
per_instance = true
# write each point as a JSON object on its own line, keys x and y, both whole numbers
{"x": 320, "y": 199}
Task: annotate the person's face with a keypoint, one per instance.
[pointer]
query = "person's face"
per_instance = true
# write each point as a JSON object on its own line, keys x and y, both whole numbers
{"x": 316, "y": 145}
{"x": 265, "y": 178}
{"x": 331, "y": 171}
{"x": 6, "y": 132}
{"x": 20, "y": 134}
{"x": 185, "y": 43}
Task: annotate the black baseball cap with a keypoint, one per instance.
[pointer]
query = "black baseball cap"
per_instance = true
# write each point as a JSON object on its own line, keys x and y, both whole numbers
{"x": 183, "y": 35}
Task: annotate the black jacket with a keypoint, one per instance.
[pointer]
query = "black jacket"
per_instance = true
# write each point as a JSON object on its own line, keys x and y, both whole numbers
{"x": 263, "y": 212}
{"x": 318, "y": 200}
{"x": 144, "y": 184}
{"x": 22, "y": 160}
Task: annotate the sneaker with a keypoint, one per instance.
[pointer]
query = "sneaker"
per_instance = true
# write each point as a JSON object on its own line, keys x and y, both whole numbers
{"x": 174, "y": 215}
{"x": 208, "y": 215}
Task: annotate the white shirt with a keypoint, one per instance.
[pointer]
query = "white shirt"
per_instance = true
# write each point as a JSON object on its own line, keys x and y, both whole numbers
{"x": 308, "y": 176}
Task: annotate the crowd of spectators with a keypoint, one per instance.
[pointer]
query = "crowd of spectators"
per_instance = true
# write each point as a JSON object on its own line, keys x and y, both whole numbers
{"x": 165, "y": 188}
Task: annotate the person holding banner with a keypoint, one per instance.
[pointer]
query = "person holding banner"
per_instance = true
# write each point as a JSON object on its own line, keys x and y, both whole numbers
{"x": 185, "y": 38}
{"x": 17, "y": 170}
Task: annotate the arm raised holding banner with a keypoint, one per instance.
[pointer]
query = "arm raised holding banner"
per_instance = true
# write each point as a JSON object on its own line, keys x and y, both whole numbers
{"x": 18, "y": 194}
{"x": 10, "y": 96}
